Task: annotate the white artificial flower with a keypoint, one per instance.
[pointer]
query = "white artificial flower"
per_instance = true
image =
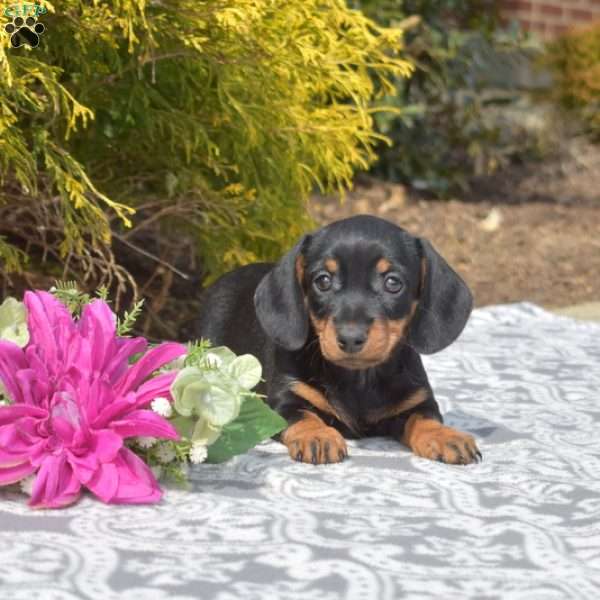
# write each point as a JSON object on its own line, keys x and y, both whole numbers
{"x": 206, "y": 395}
{"x": 13, "y": 322}
{"x": 198, "y": 453}
{"x": 213, "y": 361}
{"x": 26, "y": 485}
{"x": 165, "y": 453}
{"x": 145, "y": 442}
{"x": 162, "y": 406}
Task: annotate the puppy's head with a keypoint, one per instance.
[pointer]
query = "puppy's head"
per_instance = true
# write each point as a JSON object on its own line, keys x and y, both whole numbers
{"x": 364, "y": 285}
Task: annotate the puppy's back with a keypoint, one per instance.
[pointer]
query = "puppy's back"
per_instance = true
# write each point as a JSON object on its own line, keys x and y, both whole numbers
{"x": 227, "y": 316}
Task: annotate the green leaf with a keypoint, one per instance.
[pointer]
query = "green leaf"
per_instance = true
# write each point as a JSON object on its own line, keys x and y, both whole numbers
{"x": 255, "y": 423}
{"x": 184, "y": 425}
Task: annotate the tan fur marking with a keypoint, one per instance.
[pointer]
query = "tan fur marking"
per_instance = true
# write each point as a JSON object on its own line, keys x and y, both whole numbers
{"x": 430, "y": 439}
{"x": 319, "y": 401}
{"x": 314, "y": 397}
{"x": 383, "y": 265}
{"x": 381, "y": 340}
{"x": 311, "y": 441}
{"x": 388, "y": 412}
{"x": 332, "y": 265}
{"x": 300, "y": 270}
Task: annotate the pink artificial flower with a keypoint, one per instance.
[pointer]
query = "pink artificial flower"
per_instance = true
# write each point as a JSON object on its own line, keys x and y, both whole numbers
{"x": 75, "y": 398}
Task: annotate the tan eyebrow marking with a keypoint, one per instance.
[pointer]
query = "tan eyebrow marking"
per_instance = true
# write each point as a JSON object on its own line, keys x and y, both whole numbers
{"x": 332, "y": 265}
{"x": 383, "y": 265}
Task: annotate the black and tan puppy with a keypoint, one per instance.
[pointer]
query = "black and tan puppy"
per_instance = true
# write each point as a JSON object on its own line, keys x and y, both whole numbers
{"x": 338, "y": 324}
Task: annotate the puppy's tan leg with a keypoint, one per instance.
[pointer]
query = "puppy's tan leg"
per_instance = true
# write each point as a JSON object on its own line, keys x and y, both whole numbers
{"x": 309, "y": 440}
{"x": 430, "y": 439}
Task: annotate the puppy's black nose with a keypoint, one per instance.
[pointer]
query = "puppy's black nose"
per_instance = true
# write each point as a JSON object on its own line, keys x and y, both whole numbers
{"x": 351, "y": 338}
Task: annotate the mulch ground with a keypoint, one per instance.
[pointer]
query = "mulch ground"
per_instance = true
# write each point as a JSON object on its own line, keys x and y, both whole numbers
{"x": 531, "y": 236}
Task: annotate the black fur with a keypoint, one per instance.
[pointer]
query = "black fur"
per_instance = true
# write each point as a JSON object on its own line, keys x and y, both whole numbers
{"x": 264, "y": 309}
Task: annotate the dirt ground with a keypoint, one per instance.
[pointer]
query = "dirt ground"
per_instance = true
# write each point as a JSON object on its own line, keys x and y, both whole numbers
{"x": 529, "y": 234}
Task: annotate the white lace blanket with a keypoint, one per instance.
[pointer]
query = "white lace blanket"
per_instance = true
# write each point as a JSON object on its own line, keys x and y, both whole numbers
{"x": 524, "y": 524}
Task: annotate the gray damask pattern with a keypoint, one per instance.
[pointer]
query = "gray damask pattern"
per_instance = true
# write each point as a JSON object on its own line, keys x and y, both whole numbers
{"x": 524, "y": 524}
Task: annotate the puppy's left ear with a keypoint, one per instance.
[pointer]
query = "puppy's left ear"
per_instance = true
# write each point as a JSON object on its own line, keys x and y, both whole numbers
{"x": 444, "y": 306}
{"x": 279, "y": 301}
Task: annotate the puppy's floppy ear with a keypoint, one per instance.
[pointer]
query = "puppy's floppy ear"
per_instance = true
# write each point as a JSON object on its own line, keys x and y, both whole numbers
{"x": 279, "y": 301}
{"x": 444, "y": 307}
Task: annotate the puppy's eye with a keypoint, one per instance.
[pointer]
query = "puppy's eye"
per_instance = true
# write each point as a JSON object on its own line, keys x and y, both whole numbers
{"x": 323, "y": 282}
{"x": 393, "y": 284}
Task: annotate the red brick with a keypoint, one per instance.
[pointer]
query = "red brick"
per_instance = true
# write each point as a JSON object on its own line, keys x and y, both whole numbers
{"x": 581, "y": 15}
{"x": 551, "y": 10}
{"x": 517, "y": 5}
{"x": 534, "y": 26}
{"x": 556, "y": 30}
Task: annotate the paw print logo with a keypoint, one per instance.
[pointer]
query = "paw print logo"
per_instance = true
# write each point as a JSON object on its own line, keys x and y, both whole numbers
{"x": 24, "y": 32}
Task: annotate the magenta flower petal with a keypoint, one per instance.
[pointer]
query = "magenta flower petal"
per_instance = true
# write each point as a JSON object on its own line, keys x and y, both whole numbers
{"x": 105, "y": 482}
{"x": 8, "y": 414}
{"x": 105, "y": 445}
{"x": 126, "y": 348}
{"x": 75, "y": 399}
{"x": 137, "y": 484}
{"x": 144, "y": 423}
{"x": 55, "y": 485}
{"x": 96, "y": 394}
{"x": 12, "y": 360}
{"x": 84, "y": 467}
{"x": 64, "y": 430}
{"x": 115, "y": 410}
{"x": 12, "y": 459}
{"x": 50, "y": 326}
{"x": 37, "y": 364}
{"x": 14, "y": 447}
{"x": 98, "y": 325}
{"x": 29, "y": 383}
{"x": 151, "y": 389}
{"x": 15, "y": 473}
{"x": 152, "y": 361}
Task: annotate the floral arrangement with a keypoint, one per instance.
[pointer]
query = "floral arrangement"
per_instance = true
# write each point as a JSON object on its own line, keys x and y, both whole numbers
{"x": 85, "y": 406}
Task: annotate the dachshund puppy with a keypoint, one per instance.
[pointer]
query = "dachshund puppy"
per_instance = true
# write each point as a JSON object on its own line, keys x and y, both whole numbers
{"x": 338, "y": 324}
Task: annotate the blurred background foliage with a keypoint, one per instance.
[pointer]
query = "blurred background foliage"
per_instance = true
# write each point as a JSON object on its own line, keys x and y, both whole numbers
{"x": 463, "y": 112}
{"x": 574, "y": 59}
{"x": 151, "y": 146}
{"x": 148, "y": 146}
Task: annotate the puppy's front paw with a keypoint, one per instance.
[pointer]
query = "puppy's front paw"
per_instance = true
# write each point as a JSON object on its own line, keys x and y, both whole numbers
{"x": 430, "y": 439}
{"x": 311, "y": 441}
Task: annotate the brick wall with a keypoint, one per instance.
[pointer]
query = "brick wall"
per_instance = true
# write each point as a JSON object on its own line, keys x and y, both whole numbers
{"x": 549, "y": 18}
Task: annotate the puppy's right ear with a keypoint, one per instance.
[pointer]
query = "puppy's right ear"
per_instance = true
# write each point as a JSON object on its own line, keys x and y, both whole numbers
{"x": 279, "y": 301}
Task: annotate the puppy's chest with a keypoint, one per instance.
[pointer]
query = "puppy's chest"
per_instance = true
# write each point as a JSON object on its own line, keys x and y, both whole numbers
{"x": 358, "y": 400}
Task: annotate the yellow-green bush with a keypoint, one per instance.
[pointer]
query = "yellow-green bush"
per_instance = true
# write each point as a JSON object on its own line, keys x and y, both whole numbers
{"x": 201, "y": 121}
{"x": 575, "y": 61}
